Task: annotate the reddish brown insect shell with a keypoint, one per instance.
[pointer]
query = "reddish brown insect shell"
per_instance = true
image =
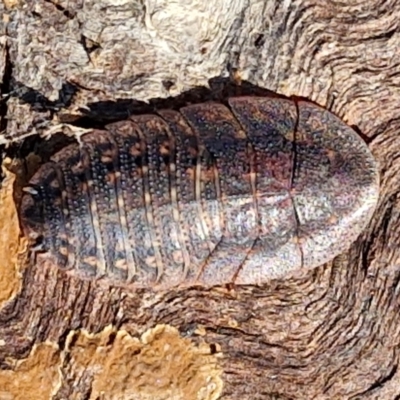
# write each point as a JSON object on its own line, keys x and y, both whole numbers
{"x": 208, "y": 195}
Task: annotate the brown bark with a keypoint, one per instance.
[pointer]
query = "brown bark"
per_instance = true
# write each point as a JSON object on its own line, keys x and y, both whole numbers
{"x": 329, "y": 333}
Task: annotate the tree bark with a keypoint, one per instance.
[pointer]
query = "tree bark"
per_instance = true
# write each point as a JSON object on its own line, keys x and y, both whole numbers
{"x": 329, "y": 333}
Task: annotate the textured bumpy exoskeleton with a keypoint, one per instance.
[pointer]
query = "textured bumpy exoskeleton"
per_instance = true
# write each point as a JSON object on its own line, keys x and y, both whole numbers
{"x": 239, "y": 193}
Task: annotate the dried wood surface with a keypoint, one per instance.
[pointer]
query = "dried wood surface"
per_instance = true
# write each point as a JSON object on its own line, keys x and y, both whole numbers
{"x": 330, "y": 333}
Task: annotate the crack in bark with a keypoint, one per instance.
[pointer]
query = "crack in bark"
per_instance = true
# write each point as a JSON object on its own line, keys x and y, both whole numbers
{"x": 5, "y": 87}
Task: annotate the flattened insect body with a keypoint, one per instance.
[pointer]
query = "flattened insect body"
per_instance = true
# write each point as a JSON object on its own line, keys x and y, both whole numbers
{"x": 207, "y": 195}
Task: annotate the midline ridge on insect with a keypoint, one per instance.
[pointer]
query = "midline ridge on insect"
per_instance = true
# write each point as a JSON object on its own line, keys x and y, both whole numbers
{"x": 207, "y": 195}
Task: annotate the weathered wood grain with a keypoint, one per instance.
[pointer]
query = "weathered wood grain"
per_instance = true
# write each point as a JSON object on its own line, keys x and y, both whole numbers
{"x": 331, "y": 333}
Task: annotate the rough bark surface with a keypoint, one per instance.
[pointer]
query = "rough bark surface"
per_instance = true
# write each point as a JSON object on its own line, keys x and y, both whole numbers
{"x": 329, "y": 333}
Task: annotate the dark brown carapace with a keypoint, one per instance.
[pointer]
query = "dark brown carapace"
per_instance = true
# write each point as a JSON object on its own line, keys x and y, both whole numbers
{"x": 208, "y": 195}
